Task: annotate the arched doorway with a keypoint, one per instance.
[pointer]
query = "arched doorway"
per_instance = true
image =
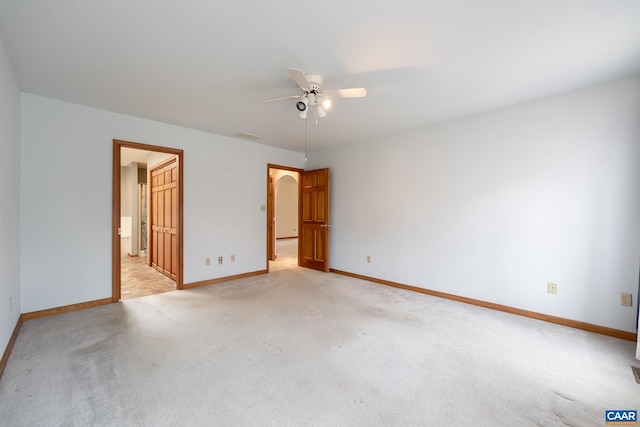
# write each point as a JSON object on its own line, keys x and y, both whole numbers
{"x": 283, "y": 216}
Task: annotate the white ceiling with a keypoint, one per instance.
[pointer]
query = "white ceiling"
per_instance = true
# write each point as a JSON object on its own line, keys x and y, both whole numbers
{"x": 207, "y": 64}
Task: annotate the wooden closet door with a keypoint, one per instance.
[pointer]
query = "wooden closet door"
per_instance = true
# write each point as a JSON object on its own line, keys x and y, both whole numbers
{"x": 173, "y": 223}
{"x": 164, "y": 218}
{"x": 157, "y": 220}
{"x": 314, "y": 244}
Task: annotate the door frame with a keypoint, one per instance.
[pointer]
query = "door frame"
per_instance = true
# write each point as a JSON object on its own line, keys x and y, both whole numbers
{"x": 271, "y": 206}
{"x": 115, "y": 212}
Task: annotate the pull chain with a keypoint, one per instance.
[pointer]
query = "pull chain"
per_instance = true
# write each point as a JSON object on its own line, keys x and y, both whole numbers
{"x": 305, "y": 142}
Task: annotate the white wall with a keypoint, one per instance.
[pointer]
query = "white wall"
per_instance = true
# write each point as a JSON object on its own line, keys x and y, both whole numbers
{"x": 9, "y": 200}
{"x": 154, "y": 159}
{"x": 129, "y": 209}
{"x": 496, "y": 205}
{"x": 287, "y": 206}
{"x": 66, "y": 198}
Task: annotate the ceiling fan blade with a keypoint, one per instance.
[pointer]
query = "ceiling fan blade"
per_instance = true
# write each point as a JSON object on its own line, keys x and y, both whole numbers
{"x": 355, "y": 92}
{"x": 286, "y": 98}
{"x": 299, "y": 77}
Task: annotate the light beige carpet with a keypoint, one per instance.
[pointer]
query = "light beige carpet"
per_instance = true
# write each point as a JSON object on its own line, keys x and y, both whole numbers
{"x": 298, "y": 347}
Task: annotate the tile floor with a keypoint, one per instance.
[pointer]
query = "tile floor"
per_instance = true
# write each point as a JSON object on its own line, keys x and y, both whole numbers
{"x": 138, "y": 279}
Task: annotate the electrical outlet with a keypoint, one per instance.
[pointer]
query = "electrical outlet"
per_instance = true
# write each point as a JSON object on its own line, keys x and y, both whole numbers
{"x": 625, "y": 299}
{"x": 368, "y": 259}
{"x": 10, "y": 304}
{"x": 219, "y": 260}
{"x": 207, "y": 261}
{"x": 552, "y": 288}
{"x": 232, "y": 258}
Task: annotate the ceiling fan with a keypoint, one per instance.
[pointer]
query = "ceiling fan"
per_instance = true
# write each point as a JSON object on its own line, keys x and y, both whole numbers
{"x": 314, "y": 95}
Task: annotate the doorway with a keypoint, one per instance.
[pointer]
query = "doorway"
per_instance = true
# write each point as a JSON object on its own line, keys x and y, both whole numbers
{"x": 283, "y": 212}
{"x": 313, "y": 216}
{"x": 133, "y": 240}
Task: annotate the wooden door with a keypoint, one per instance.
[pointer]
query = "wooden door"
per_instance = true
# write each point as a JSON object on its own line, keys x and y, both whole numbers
{"x": 314, "y": 221}
{"x": 271, "y": 218}
{"x": 164, "y": 218}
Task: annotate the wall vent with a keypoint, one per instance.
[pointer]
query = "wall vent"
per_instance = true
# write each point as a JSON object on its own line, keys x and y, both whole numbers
{"x": 247, "y": 135}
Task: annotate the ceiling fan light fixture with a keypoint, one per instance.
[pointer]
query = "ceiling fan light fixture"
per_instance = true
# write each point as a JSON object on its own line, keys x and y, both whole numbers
{"x": 302, "y": 104}
{"x": 325, "y": 102}
{"x": 320, "y": 111}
